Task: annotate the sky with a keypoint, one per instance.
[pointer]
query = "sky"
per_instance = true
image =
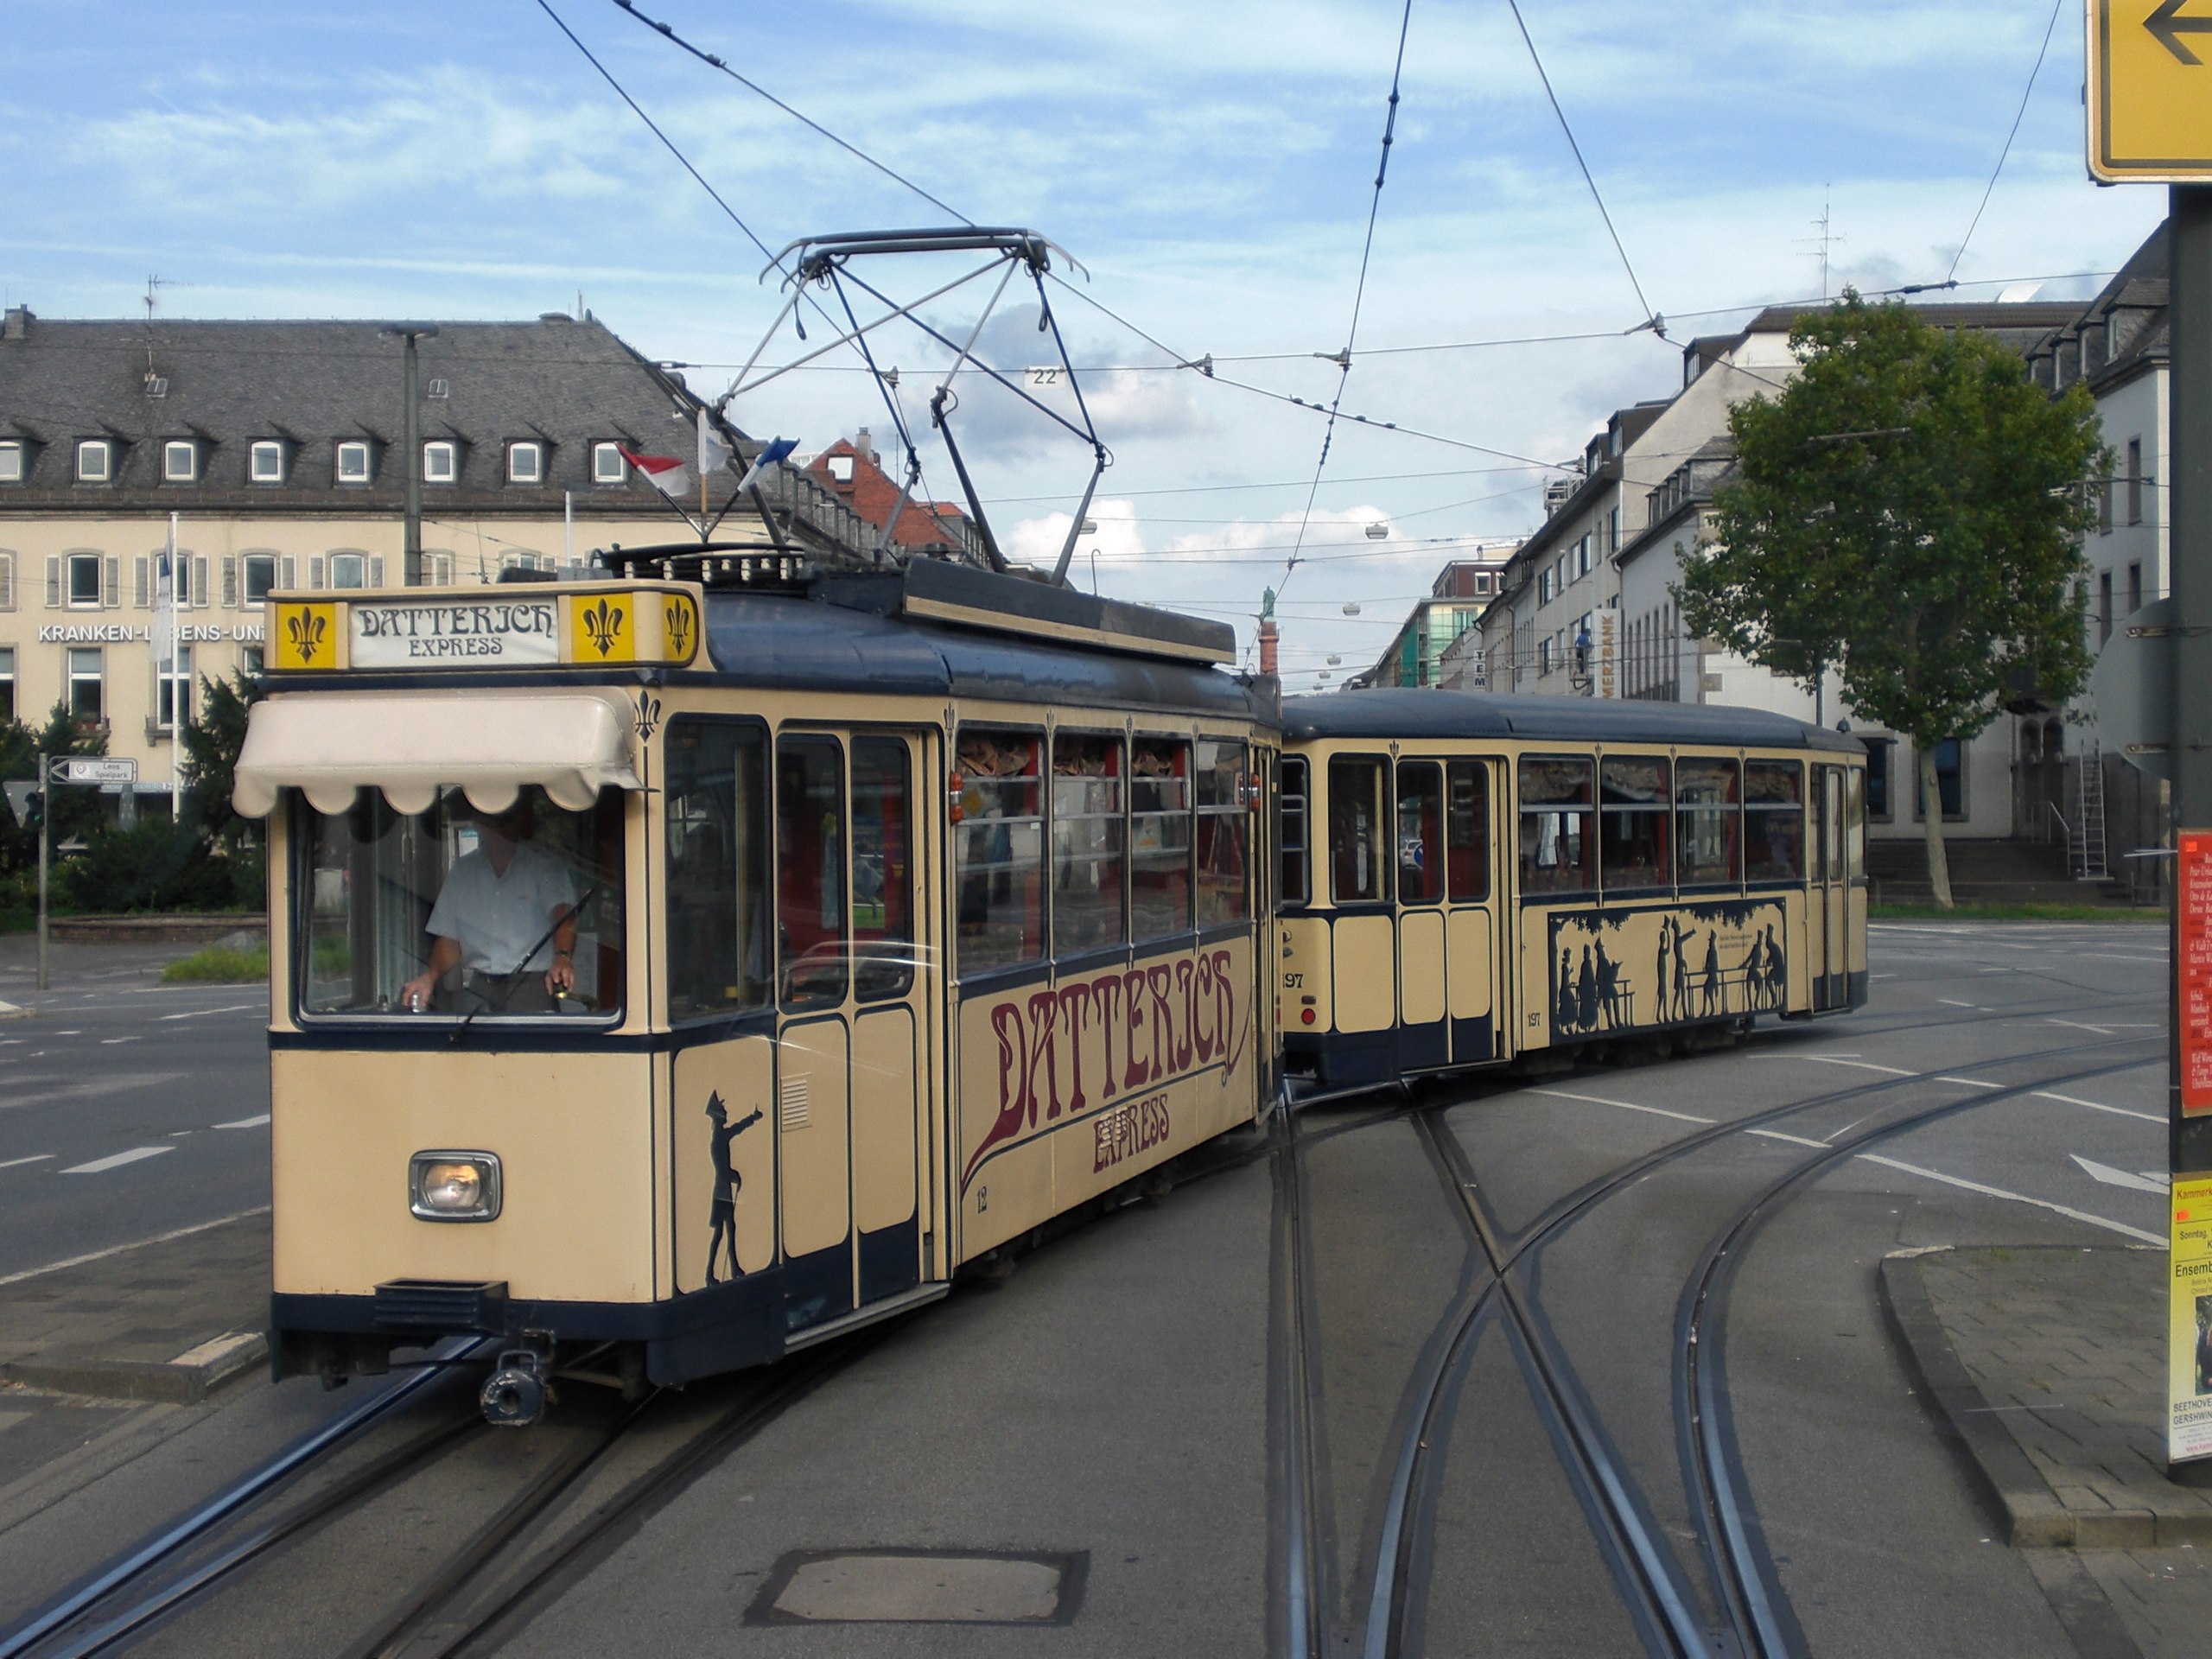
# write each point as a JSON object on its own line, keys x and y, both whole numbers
{"x": 1207, "y": 172}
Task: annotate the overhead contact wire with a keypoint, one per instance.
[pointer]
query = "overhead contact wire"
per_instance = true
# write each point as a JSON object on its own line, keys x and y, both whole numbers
{"x": 2026, "y": 92}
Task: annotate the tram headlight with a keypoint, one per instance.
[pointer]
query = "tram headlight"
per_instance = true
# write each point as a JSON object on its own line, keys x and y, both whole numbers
{"x": 454, "y": 1185}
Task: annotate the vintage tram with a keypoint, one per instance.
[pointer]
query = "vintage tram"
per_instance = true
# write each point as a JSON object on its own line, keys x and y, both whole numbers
{"x": 1468, "y": 879}
{"x": 830, "y": 931}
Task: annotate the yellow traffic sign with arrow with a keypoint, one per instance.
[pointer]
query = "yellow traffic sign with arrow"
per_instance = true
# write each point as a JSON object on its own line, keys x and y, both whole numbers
{"x": 2150, "y": 89}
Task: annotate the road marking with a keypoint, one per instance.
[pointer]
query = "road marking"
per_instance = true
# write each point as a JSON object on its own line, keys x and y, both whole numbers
{"x": 1883, "y": 975}
{"x": 110, "y": 1042}
{"x": 68, "y": 1033}
{"x": 136, "y": 1244}
{"x": 1971, "y": 1083}
{"x": 36, "y": 1158}
{"x": 1626, "y": 1105}
{"x": 2104, "y": 956}
{"x": 2068, "y": 1210}
{"x": 2101, "y": 1031}
{"x": 2111, "y": 1177}
{"x": 1952, "y": 1002}
{"x": 1794, "y": 1139}
{"x": 197, "y": 1014}
{"x": 245, "y": 1122}
{"x": 2098, "y": 1106}
{"x": 1838, "y": 1059}
{"x": 116, "y": 1160}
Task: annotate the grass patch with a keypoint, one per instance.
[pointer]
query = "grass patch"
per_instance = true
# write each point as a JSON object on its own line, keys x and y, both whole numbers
{"x": 1971, "y": 913}
{"x": 219, "y": 964}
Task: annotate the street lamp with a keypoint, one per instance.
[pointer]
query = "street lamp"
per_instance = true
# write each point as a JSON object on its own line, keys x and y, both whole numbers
{"x": 411, "y": 442}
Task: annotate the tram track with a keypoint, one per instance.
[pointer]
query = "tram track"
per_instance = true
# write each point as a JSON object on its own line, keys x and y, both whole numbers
{"x": 1663, "y": 1606}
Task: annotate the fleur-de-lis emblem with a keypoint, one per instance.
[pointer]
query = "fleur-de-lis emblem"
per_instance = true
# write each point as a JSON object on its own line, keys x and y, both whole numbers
{"x": 306, "y": 629}
{"x": 648, "y": 717}
{"x": 679, "y": 628}
{"x": 603, "y": 622}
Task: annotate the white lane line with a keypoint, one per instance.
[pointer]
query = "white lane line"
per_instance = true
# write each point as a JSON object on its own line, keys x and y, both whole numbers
{"x": 1883, "y": 975}
{"x": 110, "y": 1042}
{"x": 245, "y": 1122}
{"x": 2098, "y": 1106}
{"x": 1971, "y": 1083}
{"x": 2111, "y": 1177}
{"x": 1626, "y": 1105}
{"x": 36, "y": 1158}
{"x": 1838, "y": 1059}
{"x": 136, "y": 1244}
{"x": 68, "y": 1033}
{"x": 2068, "y": 1210}
{"x": 197, "y": 1014}
{"x": 2101, "y": 1031}
{"x": 1794, "y": 1139}
{"x": 116, "y": 1160}
{"x": 2106, "y": 956}
{"x": 1953, "y": 1002}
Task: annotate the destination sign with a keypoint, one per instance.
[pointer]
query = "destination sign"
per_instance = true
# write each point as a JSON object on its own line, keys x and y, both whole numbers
{"x": 99, "y": 769}
{"x": 486, "y": 633}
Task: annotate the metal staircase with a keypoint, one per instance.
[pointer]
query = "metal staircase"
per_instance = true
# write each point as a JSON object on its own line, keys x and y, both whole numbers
{"x": 2085, "y": 816}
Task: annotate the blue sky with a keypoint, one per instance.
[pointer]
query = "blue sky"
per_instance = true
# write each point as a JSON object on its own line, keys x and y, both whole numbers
{"x": 1210, "y": 165}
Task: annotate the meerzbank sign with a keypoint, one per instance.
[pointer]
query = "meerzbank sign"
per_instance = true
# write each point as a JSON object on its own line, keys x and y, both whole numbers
{"x": 408, "y": 636}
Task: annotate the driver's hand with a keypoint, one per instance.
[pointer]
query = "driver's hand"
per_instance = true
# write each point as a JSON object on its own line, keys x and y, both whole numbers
{"x": 560, "y": 977}
{"x": 415, "y": 995}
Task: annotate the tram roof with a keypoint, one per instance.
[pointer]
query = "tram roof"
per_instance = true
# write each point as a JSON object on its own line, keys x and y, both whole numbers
{"x": 1414, "y": 712}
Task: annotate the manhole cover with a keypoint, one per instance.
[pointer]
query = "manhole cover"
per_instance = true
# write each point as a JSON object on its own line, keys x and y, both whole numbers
{"x": 921, "y": 1586}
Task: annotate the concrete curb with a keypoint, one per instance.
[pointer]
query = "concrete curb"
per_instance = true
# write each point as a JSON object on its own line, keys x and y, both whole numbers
{"x": 2005, "y": 1478}
{"x": 186, "y": 1380}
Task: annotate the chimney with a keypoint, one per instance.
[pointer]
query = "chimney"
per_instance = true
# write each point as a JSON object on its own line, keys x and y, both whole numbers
{"x": 1267, "y": 637}
{"x": 863, "y": 445}
{"x": 18, "y": 324}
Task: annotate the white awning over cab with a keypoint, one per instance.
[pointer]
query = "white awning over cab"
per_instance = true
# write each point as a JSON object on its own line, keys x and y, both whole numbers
{"x": 409, "y": 744}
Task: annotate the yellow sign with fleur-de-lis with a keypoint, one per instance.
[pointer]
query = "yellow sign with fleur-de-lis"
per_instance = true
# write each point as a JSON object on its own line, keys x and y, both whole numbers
{"x": 304, "y": 636}
{"x": 679, "y": 627}
{"x": 602, "y": 628}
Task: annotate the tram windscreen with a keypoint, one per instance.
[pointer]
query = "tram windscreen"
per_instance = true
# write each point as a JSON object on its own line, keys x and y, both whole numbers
{"x": 456, "y": 912}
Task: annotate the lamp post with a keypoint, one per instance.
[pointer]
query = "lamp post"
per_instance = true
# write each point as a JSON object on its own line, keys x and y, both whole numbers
{"x": 411, "y": 441}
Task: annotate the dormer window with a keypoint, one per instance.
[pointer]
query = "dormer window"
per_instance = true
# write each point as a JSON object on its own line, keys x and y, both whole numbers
{"x": 440, "y": 462}
{"x": 95, "y": 461}
{"x": 841, "y": 469}
{"x": 607, "y": 465}
{"x": 266, "y": 461}
{"x": 525, "y": 463}
{"x": 354, "y": 462}
{"x": 180, "y": 462}
{"x": 15, "y": 462}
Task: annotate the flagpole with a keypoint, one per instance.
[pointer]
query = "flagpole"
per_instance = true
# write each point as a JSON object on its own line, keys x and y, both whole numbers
{"x": 176, "y": 702}
{"x": 702, "y": 464}
{"x": 567, "y": 530}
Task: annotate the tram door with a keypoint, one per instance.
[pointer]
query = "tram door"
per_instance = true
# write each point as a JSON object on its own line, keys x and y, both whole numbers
{"x": 1826, "y": 932}
{"x": 853, "y": 993}
{"x": 1447, "y": 932}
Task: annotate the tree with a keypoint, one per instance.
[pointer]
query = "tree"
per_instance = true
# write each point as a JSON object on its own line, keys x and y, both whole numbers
{"x": 1907, "y": 511}
{"x": 211, "y": 747}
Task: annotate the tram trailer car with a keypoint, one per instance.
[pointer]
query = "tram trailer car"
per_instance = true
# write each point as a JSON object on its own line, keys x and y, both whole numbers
{"x": 899, "y": 913}
{"x": 1467, "y": 879}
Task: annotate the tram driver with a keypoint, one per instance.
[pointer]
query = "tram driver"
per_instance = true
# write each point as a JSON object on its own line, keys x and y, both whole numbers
{"x": 507, "y": 917}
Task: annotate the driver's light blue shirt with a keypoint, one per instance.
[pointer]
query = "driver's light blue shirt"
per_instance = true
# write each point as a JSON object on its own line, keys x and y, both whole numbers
{"x": 495, "y": 919}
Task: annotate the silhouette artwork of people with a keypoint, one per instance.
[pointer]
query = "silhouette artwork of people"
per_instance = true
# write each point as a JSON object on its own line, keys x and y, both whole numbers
{"x": 1609, "y": 987}
{"x": 1709, "y": 982}
{"x": 1777, "y": 978}
{"x": 1682, "y": 974}
{"x": 1563, "y": 1010}
{"x": 722, "y": 1218}
{"x": 1585, "y": 992}
{"x": 1659, "y": 974}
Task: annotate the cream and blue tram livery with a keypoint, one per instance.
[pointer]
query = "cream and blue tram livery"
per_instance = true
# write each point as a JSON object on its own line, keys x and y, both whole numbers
{"x": 1468, "y": 878}
{"x": 830, "y": 931}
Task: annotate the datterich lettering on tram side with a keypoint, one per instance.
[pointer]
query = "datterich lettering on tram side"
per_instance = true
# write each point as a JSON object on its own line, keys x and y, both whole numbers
{"x": 1467, "y": 880}
{"x": 677, "y": 968}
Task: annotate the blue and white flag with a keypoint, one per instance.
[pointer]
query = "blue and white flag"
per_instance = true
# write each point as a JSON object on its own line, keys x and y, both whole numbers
{"x": 773, "y": 453}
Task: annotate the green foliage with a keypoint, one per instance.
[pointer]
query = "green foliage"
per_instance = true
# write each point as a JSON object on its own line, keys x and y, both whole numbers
{"x": 73, "y": 813}
{"x": 1906, "y": 512}
{"x": 218, "y": 964}
{"x": 155, "y": 866}
{"x": 210, "y": 745}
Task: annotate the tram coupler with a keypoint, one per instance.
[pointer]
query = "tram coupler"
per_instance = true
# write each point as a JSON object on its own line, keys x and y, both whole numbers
{"x": 520, "y": 1387}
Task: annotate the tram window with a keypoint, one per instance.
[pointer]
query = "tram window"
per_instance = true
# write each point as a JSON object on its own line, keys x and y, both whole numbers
{"x": 1356, "y": 815}
{"x": 1854, "y": 822}
{"x": 1224, "y": 834}
{"x": 1774, "y": 821}
{"x": 1708, "y": 816}
{"x": 998, "y": 850}
{"x": 1297, "y": 858}
{"x": 811, "y": 871}
{"x": 1421, "y": 833}
{"x": 716, "y": 811}
{"x": 1633, "y": 854}
{"x": 1159, "y": 837}
{"x": 1557, "y": 851}
{"x": 883, "y": 873}
{"x": 1820, "y": 847}
{"x": 1466, "y": 830}
{"x": 372, "y": 883}
{"x": 1087, "y": 843}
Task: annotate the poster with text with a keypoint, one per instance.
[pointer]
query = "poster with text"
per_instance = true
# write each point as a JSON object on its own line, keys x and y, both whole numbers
{"x": 2189, "y": 1350}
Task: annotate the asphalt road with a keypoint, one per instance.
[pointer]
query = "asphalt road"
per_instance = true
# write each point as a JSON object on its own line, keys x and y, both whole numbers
{"x": 128, "y": 1108}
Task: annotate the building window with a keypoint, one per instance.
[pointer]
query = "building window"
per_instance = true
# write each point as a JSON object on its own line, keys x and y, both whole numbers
{"x": 841, "y": 469}
{"x": 525, "y": 463}
{"x": 439, "y": 462}
{"x": 607, "y": 465}
{"x": 180, "y": 461}
{"x": 250, "y": 661}
{"x": 266, "y": 461}
{"x": 85, "y": 687}
{"x": 84, "y": 571}
{"x": 349, "y": 570}
{"x": 95, "y": 461}
{"x": 354, "y": 462}
{"x": 175, "y": 689}
{"x": 2104, "y": 607}
{"x": 15, "y": 462}
{"x": 2135, "y": 481}
{"x": 1950, "y": 782}
{"x": 2134, "y": 588}
{"x": 6, "y": 587}
{"x": 7, "y": 683}
{"x": 259, "y": 570}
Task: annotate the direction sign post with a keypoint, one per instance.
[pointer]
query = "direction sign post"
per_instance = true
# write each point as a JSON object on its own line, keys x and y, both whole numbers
{"x": 45, "y": 836}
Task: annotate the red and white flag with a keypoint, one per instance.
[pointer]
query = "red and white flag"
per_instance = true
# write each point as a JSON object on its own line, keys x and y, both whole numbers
{"x": 664, "y": 473}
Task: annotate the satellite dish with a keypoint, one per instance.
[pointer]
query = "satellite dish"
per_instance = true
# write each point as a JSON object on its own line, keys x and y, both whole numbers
{"x": 1351, "y": 607}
